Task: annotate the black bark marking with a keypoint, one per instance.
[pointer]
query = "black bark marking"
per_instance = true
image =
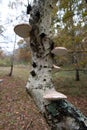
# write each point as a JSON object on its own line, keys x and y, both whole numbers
{"x": 45, "y": 66}
{"x": 51, "y": 6}
{"x": 40, "y": 66}
{"x": 42, "y": 35}
{"x": 44, "y": 80}
{"x": 37, "y": 15}
{"x": 34, "y": 64}
{"x": 29, "y": 8}
{"x": 51, "y": 48}
{"x": 52, "y": 45}
{"x": 33, "y": 73}
{"x": 86, "y": 1}
{"x": 33, "y": 47}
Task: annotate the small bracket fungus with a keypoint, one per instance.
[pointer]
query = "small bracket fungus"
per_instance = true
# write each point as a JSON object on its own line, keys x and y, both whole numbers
{"x": 23, "y": 30}
{"x": 53, "y": 95}
{"x": 57, "y": 68}
{"x": 60, "y": 51}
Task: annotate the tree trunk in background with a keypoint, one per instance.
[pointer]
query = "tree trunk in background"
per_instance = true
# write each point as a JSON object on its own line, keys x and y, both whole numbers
{"x": 11, "y": 71}
{"x": 77, "y": 75}
{"x": 74, "y": 58}
{"x": 60, "y": 114}
{"x": 12, "y": 64}
{"x": 12, "y": 59}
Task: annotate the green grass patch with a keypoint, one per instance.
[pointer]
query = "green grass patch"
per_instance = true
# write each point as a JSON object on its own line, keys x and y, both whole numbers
{"x": 65, "y": 81}
{"x": 19, "y": 71}
{"x": 5, "y": 62}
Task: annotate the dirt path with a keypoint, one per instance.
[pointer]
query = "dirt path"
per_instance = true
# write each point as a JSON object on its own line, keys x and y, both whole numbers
{"x": 17, "y": 109}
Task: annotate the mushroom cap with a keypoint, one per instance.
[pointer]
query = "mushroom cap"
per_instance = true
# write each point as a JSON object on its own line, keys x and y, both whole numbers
{"x": 56, "y": 67}
{"x": 22, "y": 30}
{"x": 53, "y": 95}
{"x": 59, "y": 51}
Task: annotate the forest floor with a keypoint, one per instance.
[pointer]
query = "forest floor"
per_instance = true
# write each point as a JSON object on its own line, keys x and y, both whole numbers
{"x": 17, "y": 109}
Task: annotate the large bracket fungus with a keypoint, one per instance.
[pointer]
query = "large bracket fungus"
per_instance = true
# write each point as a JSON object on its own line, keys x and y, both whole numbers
{"x": 59, "y": 51}
{"x": 23, "y": 30}
{"x": 53, "y": 95}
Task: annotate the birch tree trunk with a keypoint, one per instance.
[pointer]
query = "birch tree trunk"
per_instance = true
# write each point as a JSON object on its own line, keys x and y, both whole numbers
{"x": 59, "y": 114}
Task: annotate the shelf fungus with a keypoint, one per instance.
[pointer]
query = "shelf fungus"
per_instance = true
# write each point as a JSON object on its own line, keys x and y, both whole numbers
{"x": 53, "y": 95}
{"x": 23, "y": 30}
{"x": 60, "y": 51}
{"x": 56, "y": 68}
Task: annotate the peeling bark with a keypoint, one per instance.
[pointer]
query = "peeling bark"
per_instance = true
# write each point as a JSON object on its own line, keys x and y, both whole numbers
{"x": 60, "y": 114}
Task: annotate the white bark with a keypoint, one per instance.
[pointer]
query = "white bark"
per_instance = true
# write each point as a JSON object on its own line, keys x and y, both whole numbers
{"x": 40, "y": 45}
{"x": 40, "y": 79}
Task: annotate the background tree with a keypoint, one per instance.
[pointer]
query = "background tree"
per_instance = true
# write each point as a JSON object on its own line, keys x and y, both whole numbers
{"x": 70, "y": 23}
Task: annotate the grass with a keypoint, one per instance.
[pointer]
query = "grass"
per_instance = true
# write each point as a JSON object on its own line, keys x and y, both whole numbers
{"x": 18, "y": 71}
{"x": 65, "y": 82}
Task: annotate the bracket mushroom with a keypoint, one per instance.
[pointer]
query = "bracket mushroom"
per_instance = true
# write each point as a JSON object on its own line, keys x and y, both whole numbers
{"x": 23, "y": 30}
{"x": 53, "y": 95}
{"x": 56, "y": 67}
{"x": 59, "y": 51}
